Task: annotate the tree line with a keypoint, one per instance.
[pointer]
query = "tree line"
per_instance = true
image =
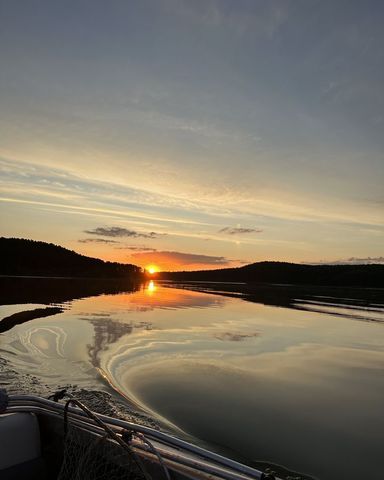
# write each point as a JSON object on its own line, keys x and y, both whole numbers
{"x": 29, "y": 257}
{"x": 289, "y": 273}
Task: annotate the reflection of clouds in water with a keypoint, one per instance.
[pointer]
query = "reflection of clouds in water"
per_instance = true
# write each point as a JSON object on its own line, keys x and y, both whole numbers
{"x": 144, "y": 325}
{"x": 31, "y": 344}
{"x": 327, "y": 355}
{"x": 179, "y": 342}
{"x": 236, "y": 337}
{"x": 117, "y": 366}
{"x": 303, "y": 364}
{"x": 312, "y": 364}
{"x": 141, "y": 308}
{"x": 148, "y": 351}
{"x": 306, "y": 366}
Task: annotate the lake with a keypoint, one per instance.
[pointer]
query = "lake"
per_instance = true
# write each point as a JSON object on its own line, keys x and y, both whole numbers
{"x": 300, "y": 386}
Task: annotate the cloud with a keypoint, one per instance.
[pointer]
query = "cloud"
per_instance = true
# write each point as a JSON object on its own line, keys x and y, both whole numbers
{"x": 38, "y": 186}
{"x": 355, "y": 261}
{"x": 138, "y": 248}
{"x": 120, "y": 232}
{"x": 96, "y": 240}
{"x": 172, "y": 258}
{"x": 264, "y": 19}
{"x": 210, "y": 131}
{"x": 238, "y": 230}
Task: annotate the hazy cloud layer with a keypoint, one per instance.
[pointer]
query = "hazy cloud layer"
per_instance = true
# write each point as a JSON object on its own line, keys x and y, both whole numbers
{"x": 97, "y": 240}
{"x": 239, "y": 230}
{"x": 120, "y": 232}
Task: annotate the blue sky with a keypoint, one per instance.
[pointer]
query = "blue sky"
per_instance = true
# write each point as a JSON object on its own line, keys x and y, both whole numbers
{"x": 234, "y": 131}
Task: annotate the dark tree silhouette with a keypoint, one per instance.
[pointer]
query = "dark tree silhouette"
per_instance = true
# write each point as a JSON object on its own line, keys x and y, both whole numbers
{"x": 28, "y": 257}
{"x": 289, "y": 273}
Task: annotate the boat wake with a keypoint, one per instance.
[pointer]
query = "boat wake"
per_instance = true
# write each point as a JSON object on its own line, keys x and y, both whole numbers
{"x": 98, "y": 401}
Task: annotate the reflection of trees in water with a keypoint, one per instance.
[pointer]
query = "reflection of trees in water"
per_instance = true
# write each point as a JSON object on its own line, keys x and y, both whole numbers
{"x": 108, "y": 331}
{"x": 57, "y": 290}
{"x": 289, "y": 296}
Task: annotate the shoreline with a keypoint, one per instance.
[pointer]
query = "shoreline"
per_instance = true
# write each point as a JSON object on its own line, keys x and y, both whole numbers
{"x": 18, "y": 318}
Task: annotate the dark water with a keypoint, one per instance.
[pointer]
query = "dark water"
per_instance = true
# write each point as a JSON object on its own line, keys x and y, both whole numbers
{"x": 300, "y": 385}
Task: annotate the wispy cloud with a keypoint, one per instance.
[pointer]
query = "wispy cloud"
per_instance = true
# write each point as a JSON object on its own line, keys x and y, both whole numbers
{"x": 265, "y": 21}
{"x": 96, "y": 240}
{"x": 355, "y": 261}
{"x": 195, "y": 128}
{"x": 120, "y": 232}
{"x": 34, "y": 184}
{"x": 138, "y": 248}
{"x": 41, "y": 185}
{"x": 239, "y": 230}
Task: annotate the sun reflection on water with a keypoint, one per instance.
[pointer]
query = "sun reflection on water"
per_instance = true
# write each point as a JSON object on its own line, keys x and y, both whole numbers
{"x": 151, "y": 288}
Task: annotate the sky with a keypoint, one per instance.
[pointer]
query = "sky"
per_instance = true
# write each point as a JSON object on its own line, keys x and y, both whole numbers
{"x": 192, "y": 134}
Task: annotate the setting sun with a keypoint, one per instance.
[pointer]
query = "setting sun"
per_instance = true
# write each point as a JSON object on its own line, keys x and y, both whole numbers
{"x": 151, "y": 269}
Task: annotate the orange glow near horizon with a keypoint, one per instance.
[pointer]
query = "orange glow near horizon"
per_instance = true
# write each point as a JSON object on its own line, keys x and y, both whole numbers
{"x": 152, "y": 262}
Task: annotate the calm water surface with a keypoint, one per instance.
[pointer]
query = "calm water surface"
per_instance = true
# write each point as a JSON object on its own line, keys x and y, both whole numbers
{"x": 299, "y": 388}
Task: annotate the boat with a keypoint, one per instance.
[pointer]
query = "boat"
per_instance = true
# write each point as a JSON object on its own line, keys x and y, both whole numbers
{"x": 50, "y": 439}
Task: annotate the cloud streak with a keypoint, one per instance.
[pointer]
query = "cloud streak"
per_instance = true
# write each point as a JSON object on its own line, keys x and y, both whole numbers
{"x": 239, "y": 230}
{"x": 138, "y": 248}
{"x": 356, "y": 261}
{"x": 97, "y": 240}
{"x": 120, "y": 232}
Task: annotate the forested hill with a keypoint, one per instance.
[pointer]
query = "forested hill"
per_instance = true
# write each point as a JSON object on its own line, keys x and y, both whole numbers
{"x": 289, "y": 273}
{"x": 28, "y": 257}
